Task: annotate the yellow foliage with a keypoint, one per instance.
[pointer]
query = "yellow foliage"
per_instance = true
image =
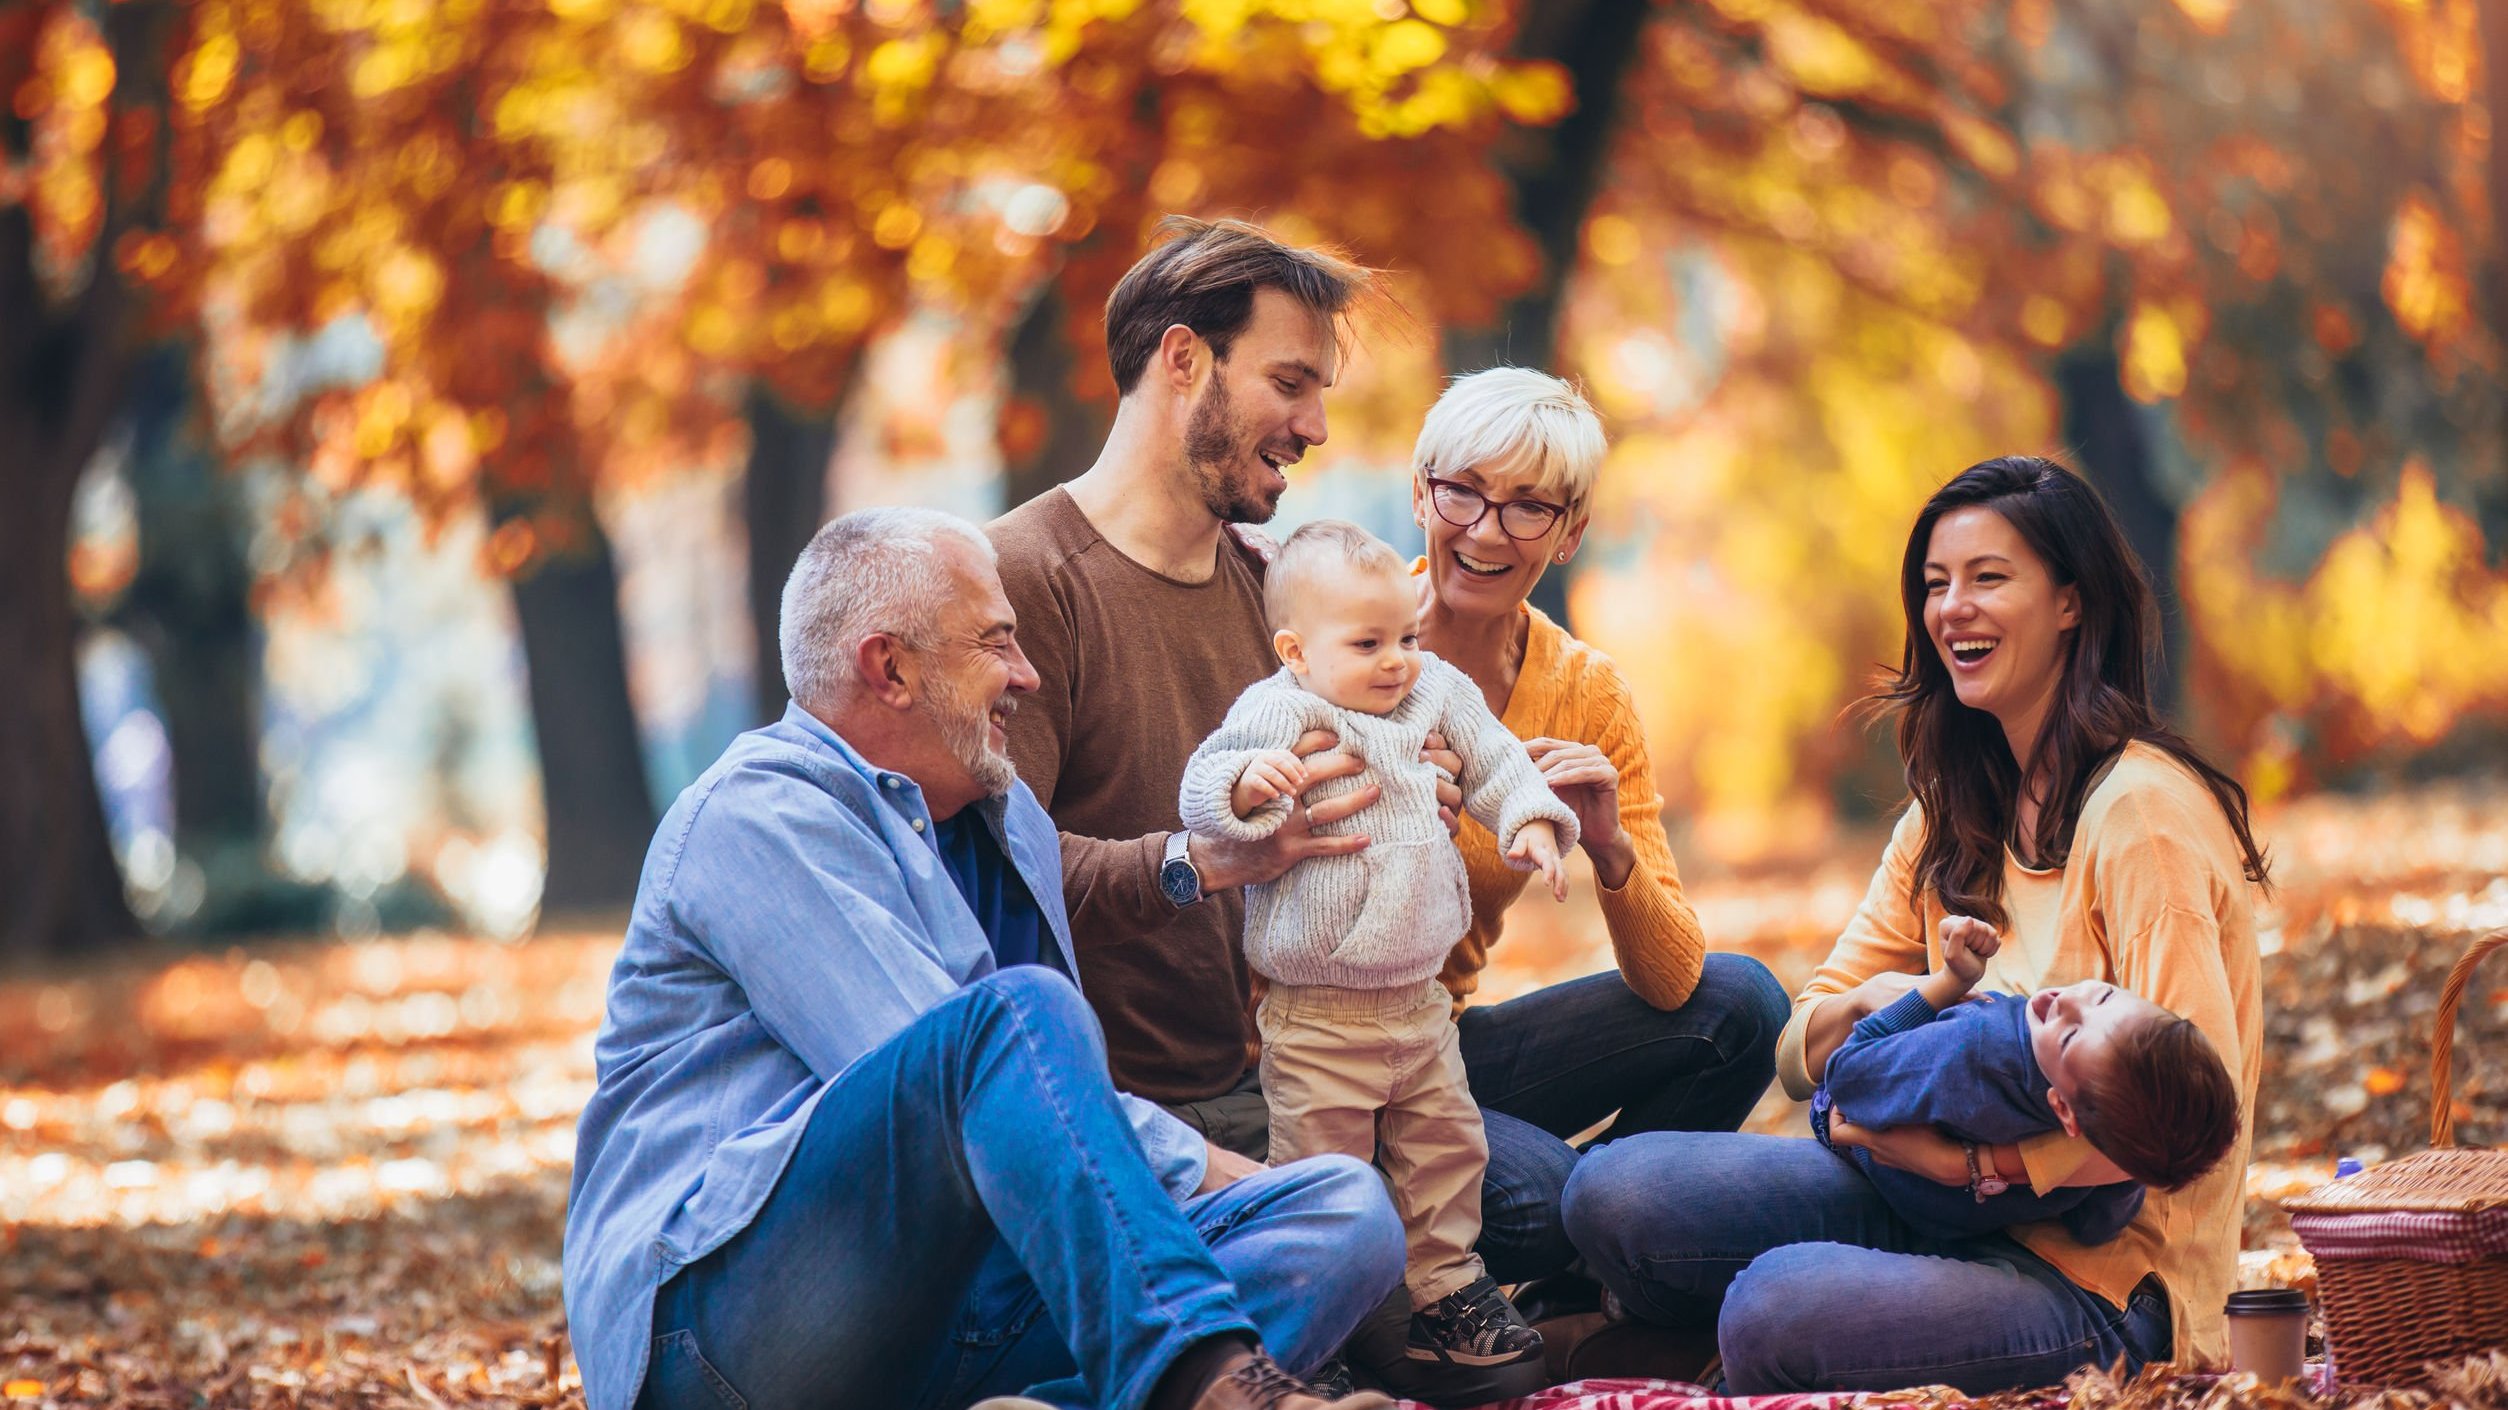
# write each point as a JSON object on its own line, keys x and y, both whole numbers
{"x": 2154, "y": 354}
{"x": 2407, "y": 620}
{"x": 1819, "y": 56}
{"x": 2425, "y": 282}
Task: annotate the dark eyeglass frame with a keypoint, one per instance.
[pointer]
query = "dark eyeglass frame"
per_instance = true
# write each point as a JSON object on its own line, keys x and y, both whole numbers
{"x": 1554, "y": 514}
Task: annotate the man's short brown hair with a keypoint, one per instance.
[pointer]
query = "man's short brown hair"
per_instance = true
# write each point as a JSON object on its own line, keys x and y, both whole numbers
{"x": 1204, "y": 274}
{"x": 2162, "y": 1106}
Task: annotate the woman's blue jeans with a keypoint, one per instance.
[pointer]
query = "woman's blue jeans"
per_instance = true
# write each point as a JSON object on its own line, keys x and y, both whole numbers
{"x": 1812, "y": 1283}
{"x": 969, "y": 1215}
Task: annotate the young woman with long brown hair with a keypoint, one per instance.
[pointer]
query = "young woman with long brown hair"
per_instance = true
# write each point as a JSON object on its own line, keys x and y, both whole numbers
{"x": 2049, "y": 799}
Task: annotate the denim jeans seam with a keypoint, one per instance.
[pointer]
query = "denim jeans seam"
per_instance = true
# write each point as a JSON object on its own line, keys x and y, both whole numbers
{"x": 686, "y": 1338}
{"x": 2081, "y": 1345}
{"x": 1049, "y": 1079}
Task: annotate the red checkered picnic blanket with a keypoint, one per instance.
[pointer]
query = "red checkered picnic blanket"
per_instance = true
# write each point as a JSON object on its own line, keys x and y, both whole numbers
{"x": 2426, "y": 1236}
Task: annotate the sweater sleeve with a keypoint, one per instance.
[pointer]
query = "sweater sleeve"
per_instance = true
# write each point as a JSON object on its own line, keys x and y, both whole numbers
{"x": 1502, "y": 790}
{"x": 1267, "y": 716}
{"x": 1655, "y": 935}
{"x": 1885, "y": 935}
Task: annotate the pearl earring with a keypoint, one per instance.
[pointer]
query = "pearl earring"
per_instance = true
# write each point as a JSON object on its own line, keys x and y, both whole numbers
{"x": 1563, "y": 558}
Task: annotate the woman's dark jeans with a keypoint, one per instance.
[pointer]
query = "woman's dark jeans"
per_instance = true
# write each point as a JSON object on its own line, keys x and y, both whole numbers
{"x": 1812, "y": 1283}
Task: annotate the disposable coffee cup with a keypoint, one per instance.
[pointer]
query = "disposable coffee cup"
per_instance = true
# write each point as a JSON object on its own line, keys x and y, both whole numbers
{"x": 2268, "y": 1333}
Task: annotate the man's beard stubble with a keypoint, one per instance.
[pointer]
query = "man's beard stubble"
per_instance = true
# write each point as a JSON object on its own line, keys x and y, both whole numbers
{"x": 1215, "y": 451}
{"x": 965, "y": 726}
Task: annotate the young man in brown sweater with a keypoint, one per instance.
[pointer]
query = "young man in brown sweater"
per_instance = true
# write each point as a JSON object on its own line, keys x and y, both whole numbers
{"x": 1141, "y": 608}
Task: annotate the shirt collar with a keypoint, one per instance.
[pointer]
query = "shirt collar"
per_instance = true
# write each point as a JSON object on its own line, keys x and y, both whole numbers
{"x": 901, "y": 792}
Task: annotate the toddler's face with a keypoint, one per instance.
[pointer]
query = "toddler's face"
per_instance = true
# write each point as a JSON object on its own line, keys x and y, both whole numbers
{"x": 2072, "y": 1029}
{"x": 1356, "y": 643}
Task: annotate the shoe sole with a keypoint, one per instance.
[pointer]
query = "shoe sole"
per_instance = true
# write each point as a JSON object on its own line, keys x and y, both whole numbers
{"x": 1466, "y": 1358}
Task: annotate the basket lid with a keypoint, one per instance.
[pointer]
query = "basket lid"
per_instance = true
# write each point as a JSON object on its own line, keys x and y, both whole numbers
{"x": 2455, "y": 1180}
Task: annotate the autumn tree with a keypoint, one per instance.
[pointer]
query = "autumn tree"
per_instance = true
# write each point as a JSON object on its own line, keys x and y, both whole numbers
{"x": 84, "y": 182}
{"x": 2102, "y": 227}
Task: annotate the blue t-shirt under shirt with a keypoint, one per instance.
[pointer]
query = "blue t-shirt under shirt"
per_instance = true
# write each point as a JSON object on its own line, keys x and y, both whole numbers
{"x": 993, "y": 890}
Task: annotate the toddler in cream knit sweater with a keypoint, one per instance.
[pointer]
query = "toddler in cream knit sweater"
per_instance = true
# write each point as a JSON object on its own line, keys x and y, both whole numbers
{"x": 1360, "y": 1055}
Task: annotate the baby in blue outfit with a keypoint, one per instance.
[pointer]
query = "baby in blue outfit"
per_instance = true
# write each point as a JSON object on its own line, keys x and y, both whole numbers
{"x": 2142, "y": 1085}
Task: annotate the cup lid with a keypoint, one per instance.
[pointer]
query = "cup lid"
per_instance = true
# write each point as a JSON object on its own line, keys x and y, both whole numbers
{"x": 2266, "y": 1302}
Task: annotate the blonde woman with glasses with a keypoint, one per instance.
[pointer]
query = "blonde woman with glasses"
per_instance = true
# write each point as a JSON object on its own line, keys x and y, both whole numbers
{"x": 1671, "y": 1038}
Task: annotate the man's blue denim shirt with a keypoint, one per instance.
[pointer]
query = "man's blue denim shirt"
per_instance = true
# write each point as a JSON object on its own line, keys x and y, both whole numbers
{"x": 793, "y": 915}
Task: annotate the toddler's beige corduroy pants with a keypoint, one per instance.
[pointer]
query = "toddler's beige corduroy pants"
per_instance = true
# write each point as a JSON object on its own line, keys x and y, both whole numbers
{"x": 1378, "y": 1074}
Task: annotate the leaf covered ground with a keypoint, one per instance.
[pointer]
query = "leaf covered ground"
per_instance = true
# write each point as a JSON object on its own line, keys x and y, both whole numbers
{"x": 314, "y": 1174}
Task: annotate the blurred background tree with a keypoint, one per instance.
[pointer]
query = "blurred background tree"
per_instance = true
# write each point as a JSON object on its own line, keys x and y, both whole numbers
{"x": 348, "y": 311}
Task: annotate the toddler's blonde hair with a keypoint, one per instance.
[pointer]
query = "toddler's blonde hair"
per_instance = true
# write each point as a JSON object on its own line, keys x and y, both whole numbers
{"x": 1313, "y": 554}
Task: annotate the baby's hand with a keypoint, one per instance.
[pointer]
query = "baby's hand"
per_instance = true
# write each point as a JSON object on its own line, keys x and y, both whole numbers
{"x": 1275, "y": 773}
{"x": 1537, "y": 849}
{"x": 1967, "y": 943}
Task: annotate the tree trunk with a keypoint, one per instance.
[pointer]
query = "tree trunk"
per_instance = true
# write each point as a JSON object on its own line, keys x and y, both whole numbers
{"x": 190, "y": 609}
{"x": 2113, "y": 438}
{"x": 783, "y": 501}
{"x": 60, "y": 891}
{"x": 592, "y": 777}
{"x": 1049, "y": 433}
{"x": 1555, "y": 173}
{"x": 62, "y": 366}
{"x": 2494, "y": 21}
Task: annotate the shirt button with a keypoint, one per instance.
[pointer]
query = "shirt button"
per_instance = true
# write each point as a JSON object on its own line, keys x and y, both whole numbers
{"x": 891, "y": 781}
{"x": 918, "y": 824}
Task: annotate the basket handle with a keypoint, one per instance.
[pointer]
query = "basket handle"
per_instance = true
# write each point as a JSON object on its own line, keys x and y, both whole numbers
{"x": 2443, "y": 1045}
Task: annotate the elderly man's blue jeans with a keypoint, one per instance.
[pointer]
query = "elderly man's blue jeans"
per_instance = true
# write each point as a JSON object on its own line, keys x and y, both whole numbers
{"x": 969, "y": 1215}
{"x": 1812, "y": 1283}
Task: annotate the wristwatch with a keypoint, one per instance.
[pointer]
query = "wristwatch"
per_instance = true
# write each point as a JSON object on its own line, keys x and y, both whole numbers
{"x": 1983, "y": 1184}
{"x": 1176, "y": 876}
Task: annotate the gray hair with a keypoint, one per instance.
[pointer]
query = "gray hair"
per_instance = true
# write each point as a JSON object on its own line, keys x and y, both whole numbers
{"x": 869, "y": 572}
{"x": 1501, "y": 417}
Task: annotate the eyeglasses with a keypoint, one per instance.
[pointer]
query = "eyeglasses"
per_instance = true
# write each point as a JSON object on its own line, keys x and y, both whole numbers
{"x": 1464, "y": 507}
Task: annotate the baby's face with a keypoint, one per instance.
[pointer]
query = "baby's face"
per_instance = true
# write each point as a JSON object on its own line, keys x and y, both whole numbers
{"x": 1356, "y": 643}
{"x": 2071, "y": 1029}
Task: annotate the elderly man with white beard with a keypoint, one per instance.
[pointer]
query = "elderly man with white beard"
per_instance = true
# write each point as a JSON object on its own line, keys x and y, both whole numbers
{"x": 854, "y": 1141}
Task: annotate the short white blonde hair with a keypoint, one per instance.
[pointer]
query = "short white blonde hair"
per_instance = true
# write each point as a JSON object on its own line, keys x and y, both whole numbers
{"x": 1504, "y": 419}
{"x": 1317, "y": 554}
{"x": 873, "y": 571}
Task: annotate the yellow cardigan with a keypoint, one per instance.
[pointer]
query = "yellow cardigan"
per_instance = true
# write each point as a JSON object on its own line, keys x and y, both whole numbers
{"x": 1568, "y": 690}
{"x": 2152, "y": 898}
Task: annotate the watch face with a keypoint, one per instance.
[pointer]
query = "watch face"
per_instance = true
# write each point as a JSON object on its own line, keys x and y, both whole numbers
{"x": 1176, "y": 878}
{"x": 1990, "y": 1186}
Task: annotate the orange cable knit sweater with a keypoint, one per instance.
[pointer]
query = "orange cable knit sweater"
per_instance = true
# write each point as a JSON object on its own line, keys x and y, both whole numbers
{"x": 1568, "y": 690}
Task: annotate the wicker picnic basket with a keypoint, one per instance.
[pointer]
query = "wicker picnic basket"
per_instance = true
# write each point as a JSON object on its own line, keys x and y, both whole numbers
{"x": 2412, "y": 1256}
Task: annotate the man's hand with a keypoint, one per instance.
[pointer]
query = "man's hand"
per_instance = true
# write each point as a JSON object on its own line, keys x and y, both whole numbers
{"x": 1274, "y": 773}
{"x": 1537, "y": 849}
{"x": 1967, "y": 943}
{"x": 1223, "y": 865}
{"x": 1449, "y": 767}
{"x": 1918, "y": 1150}
{"x": 1222, "y": 1168}
{"x": 1583, "y": 777}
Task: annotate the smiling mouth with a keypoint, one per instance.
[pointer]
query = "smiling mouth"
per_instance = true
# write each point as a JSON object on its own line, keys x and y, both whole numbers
{"x": 1477, "y": 567}
{"x": 1278, "y": 461}
{"x": 1972, "y": 651}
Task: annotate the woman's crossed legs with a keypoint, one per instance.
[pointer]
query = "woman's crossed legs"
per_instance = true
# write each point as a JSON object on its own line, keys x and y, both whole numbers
{"x": 1813, "y": 1284}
